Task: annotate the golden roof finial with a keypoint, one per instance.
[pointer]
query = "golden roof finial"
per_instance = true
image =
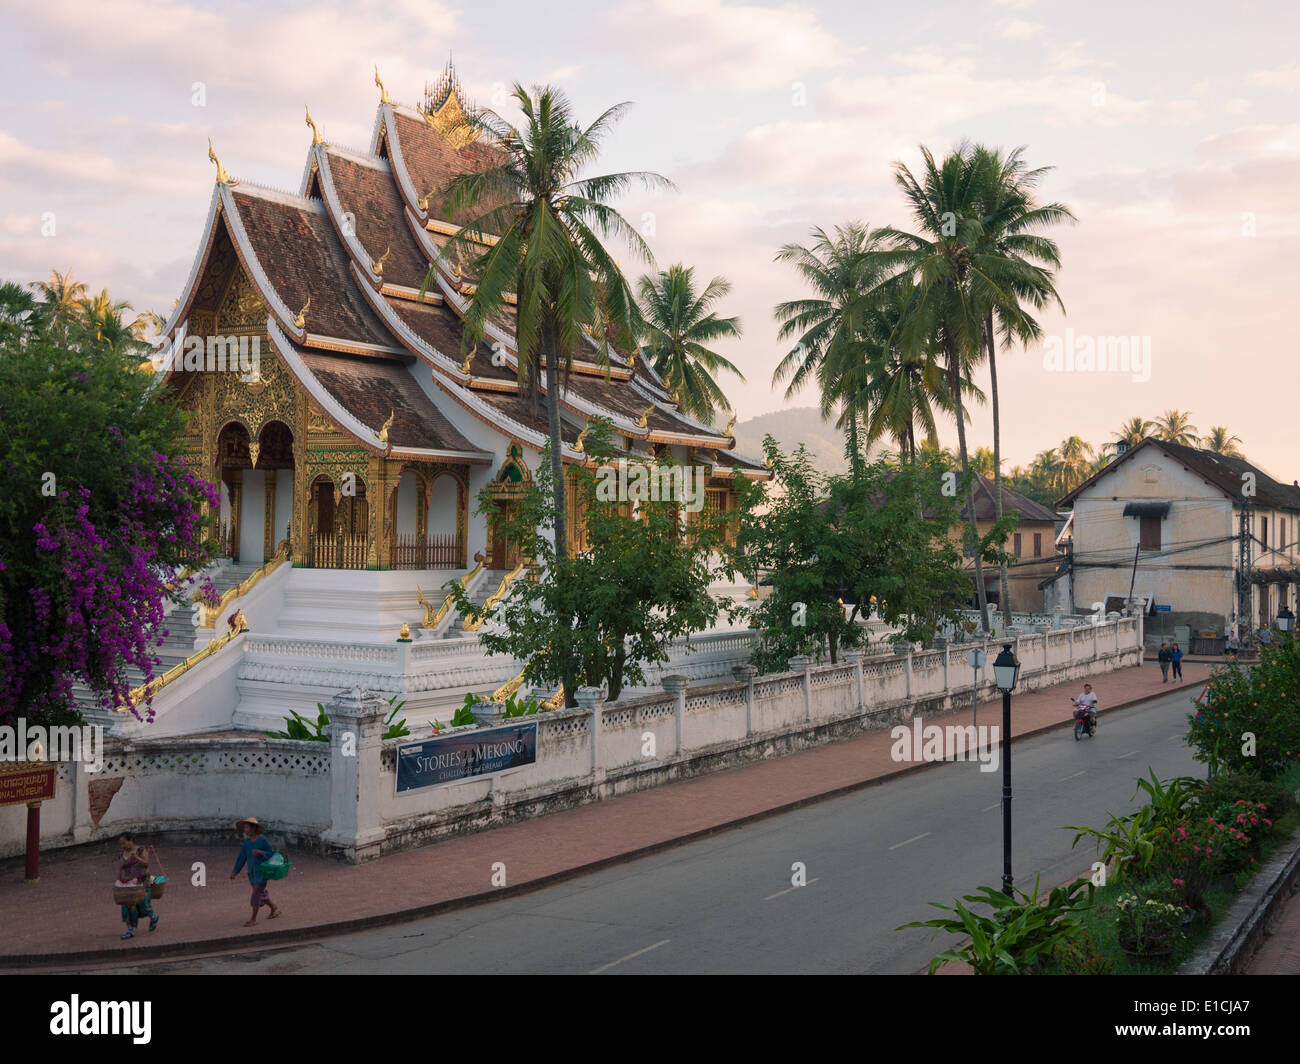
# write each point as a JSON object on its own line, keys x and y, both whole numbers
{"x": 383, "y": 92}
{"x": 382, "y": 434}
{"x": 469, "y": 357}
{"x": 644, "y": 420}
{"x": 378, "y": 267}
{"x": 677, "y": 395}
{"x": 300, "y": 321}
{"x": 730, "y": 424}
{"x": 316, "y": 138}
{"x": 423, "y": 201}
{"x": 577, "y": 444}
{"x": 223, "y": 177}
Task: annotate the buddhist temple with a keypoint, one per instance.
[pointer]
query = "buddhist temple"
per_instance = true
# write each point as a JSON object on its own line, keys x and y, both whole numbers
{"x": 352, "y": 436}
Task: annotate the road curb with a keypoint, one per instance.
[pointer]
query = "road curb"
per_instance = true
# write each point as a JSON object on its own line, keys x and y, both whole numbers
{"x": 1233, "y": 941}
{"x": 29, "y": 961}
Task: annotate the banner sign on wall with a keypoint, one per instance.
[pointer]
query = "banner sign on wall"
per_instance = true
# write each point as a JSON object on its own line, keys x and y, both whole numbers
{"x": 464, "y": 755}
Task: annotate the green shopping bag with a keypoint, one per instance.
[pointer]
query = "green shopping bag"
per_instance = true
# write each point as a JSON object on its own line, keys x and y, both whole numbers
{"x": 276, "y": 866}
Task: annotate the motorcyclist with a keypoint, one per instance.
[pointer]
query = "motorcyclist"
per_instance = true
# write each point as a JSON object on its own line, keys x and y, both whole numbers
{"x": 1086, "y": 703}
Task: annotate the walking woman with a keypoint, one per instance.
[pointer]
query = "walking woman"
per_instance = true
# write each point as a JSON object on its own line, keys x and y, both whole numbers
{"x": 255, "y": 850}
{"x": 1176, "y": 660}
{"x": 133, "y": 870}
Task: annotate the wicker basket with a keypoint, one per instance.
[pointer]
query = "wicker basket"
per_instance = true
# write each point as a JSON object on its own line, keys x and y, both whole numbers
{"x": 157, "y": 886}
{"x": 128, "y": 895}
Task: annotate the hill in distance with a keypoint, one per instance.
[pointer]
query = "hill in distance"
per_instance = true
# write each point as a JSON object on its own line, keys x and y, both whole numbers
{"x": 791, "y": 427}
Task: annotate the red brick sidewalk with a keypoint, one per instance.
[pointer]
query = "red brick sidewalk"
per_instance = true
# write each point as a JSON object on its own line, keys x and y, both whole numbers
{"x": 69, "y": 911}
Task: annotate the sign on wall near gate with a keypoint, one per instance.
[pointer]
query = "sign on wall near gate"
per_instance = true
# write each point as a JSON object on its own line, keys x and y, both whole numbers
{"x": 466, "y": 755}
{"x": 22, "y": 781}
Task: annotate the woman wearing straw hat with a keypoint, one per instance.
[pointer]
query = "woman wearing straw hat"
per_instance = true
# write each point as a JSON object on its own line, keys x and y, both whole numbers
{"x": 252, "y": 851}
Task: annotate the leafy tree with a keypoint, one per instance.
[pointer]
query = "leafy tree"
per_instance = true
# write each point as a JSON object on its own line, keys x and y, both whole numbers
{"x": 548, "y": 251}
{"x": 678, "y": 323}
{"x": 596, "y": 618}
{"x": 96, "y": 516}
{"x": 877, "y": 539}
{"x": 1263, "y": 702}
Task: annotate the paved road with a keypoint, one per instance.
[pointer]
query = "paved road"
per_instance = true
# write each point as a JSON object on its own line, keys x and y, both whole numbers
{"x": 726, "y": 904}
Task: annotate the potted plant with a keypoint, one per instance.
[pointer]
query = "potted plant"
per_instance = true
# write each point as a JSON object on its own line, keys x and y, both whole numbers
{"x": 1148, "y": 928}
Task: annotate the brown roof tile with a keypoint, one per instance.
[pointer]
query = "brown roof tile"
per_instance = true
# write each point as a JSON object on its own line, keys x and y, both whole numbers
{"x": 371, "y": 196}
{"x": 371, "y": 389}
{"x": 432, "y": 162}
{"x": 302, "y": 257}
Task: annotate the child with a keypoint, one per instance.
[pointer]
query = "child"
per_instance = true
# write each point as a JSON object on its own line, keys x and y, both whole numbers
{"x": 133, "y": 869}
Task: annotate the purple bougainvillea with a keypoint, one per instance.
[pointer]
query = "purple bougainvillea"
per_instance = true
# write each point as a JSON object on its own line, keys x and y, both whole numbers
{"x": 100, "y": 610}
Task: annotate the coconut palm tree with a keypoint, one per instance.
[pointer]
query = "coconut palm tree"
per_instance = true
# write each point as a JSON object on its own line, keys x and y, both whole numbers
{"x": 959, "y": 276}
{"x": 550, "y": 221}
{"x": 63, "y": 300}
{"x": 103, "y": 319}
{"x": 1130, "y": 434}
{"x": 1012, "y": 222}
{"x": 1075, "y": 463}
{"x": 1220, "y": 441}
{"x": 678, "y": 322}
{"x": 890, "y": 388}
{"x": 827, "y": 327}
{"x": 982, "y": 462}
{"x": 1175, "y": 426}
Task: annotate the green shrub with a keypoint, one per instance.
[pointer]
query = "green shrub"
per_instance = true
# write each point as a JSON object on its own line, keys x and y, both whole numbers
{"x": 1228, "y": 787}
{"x": 1080, "y": 956}
{"x": 1018, "y": 935}
{"x": 1259, "y": 702}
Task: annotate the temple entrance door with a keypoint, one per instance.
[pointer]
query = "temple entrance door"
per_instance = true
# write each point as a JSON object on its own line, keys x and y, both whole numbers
{"x": 505, "y": 551}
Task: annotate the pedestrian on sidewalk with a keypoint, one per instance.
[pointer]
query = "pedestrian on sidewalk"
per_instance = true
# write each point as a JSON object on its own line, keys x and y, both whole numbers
{"x": 132, "y": 871}
{"x": 1165, "y": 658}
{"x": 255, "y": 845}
{"x": 1176, "y": 660}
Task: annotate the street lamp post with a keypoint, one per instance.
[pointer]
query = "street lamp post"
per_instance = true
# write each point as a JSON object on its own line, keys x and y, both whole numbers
{"x": 1285, "y": 620}
{"x": 1006, "y": 669}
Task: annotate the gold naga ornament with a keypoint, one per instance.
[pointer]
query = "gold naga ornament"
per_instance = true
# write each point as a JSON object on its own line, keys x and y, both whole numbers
{"x": 377, "y": 267}
{"x": 300, "y": 319}
{"x": 423, "y": 201}
{"x": 223, "y": 176}
{"x": 383, "y": 92}
{"x": 577, "y": 444}
{"x": 382, "y": 434}
{"x": 730, "y": 424}
{"x": 469, "y": 357}
{"x": 316, "y": 138}
{"x": 644, "y": 420}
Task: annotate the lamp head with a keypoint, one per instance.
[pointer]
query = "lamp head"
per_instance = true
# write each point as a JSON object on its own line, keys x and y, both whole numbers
{"x": 1006, "y": 669}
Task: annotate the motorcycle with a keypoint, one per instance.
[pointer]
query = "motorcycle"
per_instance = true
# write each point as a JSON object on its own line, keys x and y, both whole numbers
{"x": 1085, "y": 721}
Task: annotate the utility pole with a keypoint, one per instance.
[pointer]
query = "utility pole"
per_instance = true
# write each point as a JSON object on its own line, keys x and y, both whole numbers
{"x": 1245, "y": 563}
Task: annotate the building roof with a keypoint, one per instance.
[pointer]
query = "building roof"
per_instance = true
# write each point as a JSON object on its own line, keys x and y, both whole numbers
{"x": 1215, "y": 469}
{"x": 341, "y": 264}
{"x": 1012, "y": 501}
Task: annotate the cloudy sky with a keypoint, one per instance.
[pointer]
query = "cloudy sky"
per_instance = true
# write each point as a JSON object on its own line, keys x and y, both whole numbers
{"x": 1175, "y": 140}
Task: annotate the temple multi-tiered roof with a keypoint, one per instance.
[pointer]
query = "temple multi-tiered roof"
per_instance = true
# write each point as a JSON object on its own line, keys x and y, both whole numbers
{"x": 331, "y": 278}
